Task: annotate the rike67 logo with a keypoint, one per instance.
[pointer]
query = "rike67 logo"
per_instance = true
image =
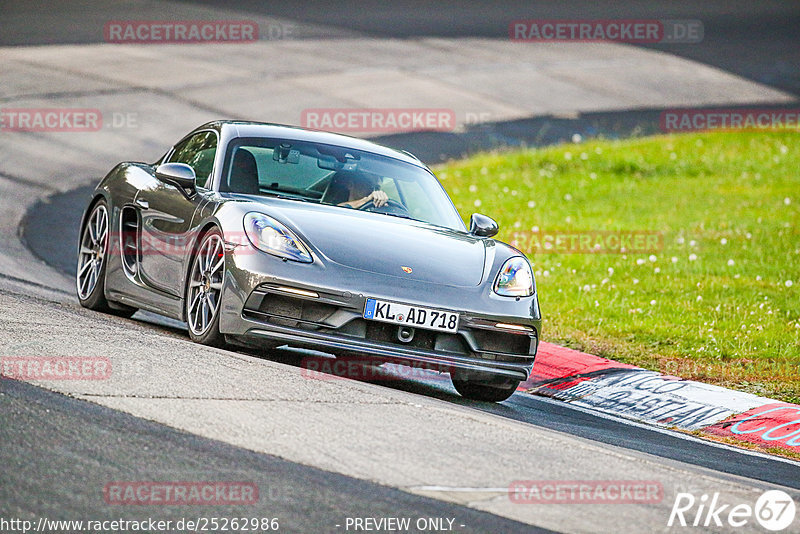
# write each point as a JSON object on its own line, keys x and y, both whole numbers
{"x": 774, "y": 510}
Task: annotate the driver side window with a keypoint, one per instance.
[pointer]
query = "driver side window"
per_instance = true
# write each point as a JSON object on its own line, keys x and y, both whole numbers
{"x": 198, "y": 152}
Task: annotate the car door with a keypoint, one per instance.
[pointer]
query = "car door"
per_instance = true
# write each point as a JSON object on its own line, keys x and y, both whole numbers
{"x": 167, "y": 212}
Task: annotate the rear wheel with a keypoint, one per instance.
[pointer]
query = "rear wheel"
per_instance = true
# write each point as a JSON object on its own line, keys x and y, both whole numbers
{"x": 91, "y": 274}
{"x": 485, "y": 388}
{"x": 204, "y": 293}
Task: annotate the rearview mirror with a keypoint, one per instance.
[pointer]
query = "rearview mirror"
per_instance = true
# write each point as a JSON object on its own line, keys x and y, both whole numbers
{"x": 179, "y": 174}
{"x": 482, "y": 226}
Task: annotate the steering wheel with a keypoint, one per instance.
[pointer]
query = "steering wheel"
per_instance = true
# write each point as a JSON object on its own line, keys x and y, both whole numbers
{"x": 392, "y": 207}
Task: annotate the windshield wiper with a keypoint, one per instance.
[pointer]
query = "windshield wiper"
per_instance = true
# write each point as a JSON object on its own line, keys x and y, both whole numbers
{"x": 397, "y": 215}
{"x": 286, "y": 197}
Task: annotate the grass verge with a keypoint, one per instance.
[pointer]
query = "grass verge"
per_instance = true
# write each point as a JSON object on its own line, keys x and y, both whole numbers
{"x": 716, "y": 298}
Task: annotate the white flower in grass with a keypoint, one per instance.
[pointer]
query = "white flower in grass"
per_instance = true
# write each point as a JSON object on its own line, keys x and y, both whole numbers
{"x": 567, "y": 197}
{"x": 635, "y": 281}
{"x": 640, "y": 261}
{"x": 692, "y": 243}
{"x": 577, "y": 138}
{"x": 680, "y": 240}
{"x": 787, "y": 201}
{"x": 674, "y": 259}
{"x": 531, "y": 204}
{"x": 477, "y": 203}
{"x": 723, "y": 241}
{"x": 652, "y": 303}
{"x": 788, "y": 283}
{"x": 699, "y": 298}
{"x": 652, "y": 258}
{"x": 731, "y": 263}
{"x": 610, "y": 270}
{"x": 657, "y": 270}
{"x": 568, "y": 156}
{"x": 593, "y": 175}
{"x": 758, "y": 278}
{"x": 473, "y": 188}
{"x": 692, "y": 257}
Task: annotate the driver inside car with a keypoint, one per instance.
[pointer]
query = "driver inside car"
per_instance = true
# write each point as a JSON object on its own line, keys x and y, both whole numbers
{"x": 361, "y": 188}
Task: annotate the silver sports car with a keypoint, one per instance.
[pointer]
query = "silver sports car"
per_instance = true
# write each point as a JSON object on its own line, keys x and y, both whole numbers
{"x": 267, "y": 235}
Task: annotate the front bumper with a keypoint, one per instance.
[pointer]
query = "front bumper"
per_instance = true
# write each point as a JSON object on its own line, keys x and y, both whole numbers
{"x": 296, "y": 304}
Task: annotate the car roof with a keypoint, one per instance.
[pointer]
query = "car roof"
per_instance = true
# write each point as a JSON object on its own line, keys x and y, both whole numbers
{"x": 230, "y": 128}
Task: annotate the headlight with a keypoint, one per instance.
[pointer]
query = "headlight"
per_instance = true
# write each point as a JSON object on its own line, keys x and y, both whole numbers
{"x": 515, "y": 279}
{"x": 270, "y": 236}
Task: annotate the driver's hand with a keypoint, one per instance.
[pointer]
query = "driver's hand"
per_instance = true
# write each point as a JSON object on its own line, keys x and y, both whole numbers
{"x": 378, "y": 198}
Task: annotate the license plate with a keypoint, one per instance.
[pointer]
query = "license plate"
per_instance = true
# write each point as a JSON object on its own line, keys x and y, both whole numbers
{"x": 416, "y": 316}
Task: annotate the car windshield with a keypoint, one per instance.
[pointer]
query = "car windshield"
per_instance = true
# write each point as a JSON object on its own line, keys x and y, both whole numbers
{"x": 337, "y": 176}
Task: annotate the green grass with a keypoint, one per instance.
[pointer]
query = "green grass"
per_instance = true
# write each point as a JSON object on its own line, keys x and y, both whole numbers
{"x": 720, "y": 302}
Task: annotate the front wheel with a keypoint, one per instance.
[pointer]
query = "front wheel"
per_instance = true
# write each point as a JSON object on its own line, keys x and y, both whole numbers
{"x": 489, "y": 389}
{"x": 204, "y": 291}
{"x": 91, "y": 274}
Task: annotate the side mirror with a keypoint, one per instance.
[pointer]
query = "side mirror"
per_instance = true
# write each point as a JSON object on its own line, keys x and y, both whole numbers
{"x": 482, "y": 226}
{"x": 179, "y": 174}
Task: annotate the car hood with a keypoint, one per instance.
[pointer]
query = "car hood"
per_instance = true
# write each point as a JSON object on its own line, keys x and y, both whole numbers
{"x": 383, "y": 244}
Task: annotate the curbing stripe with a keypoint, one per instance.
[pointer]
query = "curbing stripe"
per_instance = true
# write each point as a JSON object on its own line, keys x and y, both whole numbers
{"x": 627, "y": 391}
{"x": 772, "y": 425}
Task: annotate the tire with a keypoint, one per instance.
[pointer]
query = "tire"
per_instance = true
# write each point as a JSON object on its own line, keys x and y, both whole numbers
{"x": 90, "y": 277}
{"x": 204, "y": 290}
{"x": 486, "y": 389}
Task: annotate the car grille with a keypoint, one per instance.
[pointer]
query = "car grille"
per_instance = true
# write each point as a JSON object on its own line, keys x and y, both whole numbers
{"x": 282, "y": 309}
{"x": 503, "y": 342}
{"x": 290, "y": 311}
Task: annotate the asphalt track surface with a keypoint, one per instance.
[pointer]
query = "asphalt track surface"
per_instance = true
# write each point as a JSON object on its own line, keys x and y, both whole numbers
{"x": 69, "y": 465}
{"x": 756, "y": 40}
{"x": 80, "y": 447}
